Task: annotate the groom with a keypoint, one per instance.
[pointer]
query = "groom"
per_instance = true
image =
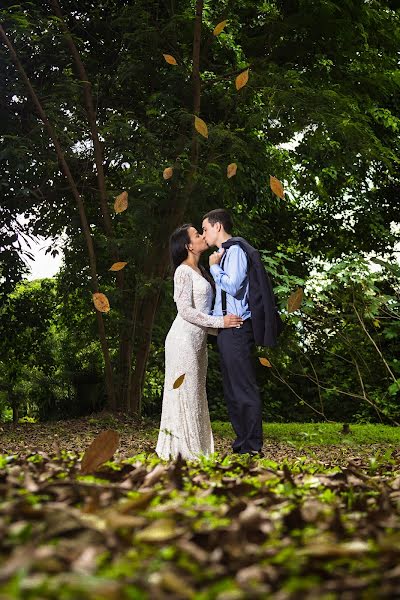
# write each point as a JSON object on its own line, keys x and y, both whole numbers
{"x": 229, "y": 269}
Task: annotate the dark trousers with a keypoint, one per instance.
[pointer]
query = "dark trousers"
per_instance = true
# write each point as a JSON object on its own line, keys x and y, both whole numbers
{"x": 241, "y": 392}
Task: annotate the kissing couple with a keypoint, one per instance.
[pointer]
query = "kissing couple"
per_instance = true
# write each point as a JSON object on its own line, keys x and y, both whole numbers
{"x": 236, "y": 303}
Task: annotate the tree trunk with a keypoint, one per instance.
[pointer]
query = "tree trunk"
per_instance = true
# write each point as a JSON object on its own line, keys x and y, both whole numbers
{"x": 82, "y": 214}
{"x": 13, "y": 402}
{"x": 178, "y": 205}
{"x": 124, "y": 356}
{"x": 148, "y": 314}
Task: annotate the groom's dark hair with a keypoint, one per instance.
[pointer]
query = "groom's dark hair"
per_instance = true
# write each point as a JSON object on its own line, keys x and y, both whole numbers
{"x": 220, "y": 215}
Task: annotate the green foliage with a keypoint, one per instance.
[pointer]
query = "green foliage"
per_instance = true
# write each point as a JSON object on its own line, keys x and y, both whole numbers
{"x": 320, "y": 434}
{"x": 319, "y": 112}
{"x": 338, "y": 354}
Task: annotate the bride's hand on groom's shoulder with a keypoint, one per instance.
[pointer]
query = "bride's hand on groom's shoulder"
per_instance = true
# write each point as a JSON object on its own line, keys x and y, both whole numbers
{"x": 215, "y": 257}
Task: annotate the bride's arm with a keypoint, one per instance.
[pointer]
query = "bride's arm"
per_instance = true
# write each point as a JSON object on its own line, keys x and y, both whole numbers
{"x": 183, "y": 296}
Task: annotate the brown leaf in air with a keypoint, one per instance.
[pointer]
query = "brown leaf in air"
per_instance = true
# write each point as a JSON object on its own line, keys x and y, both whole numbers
{"x": 242, "y": 79}
{"x": 100, "y": 450}
{"x": 295, "y": 300}
{"x": 168, "y": 172}
{"x": 264, "y": 361}
{"x": 121, "y": 202}
{"x": 231, "y": 170}
{"x": 117, "y": 266}
{"x": 201, "y": 127}
{"x": 170, "y": 59}
{"x": 276, "y": 187}
{"x": 101, "y": 302}
{"x": 218, "y": 28}
{"x": 179, "y": 382}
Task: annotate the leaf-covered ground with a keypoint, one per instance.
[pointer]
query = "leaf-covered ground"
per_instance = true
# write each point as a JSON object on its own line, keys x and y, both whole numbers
{"x": 318, "y": 521}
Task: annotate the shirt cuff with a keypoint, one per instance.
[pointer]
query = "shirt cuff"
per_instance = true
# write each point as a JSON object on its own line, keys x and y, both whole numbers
{"x": 215, "y": 270}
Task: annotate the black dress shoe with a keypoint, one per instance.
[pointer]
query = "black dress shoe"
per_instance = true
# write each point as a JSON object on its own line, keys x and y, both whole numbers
{"x": 252, "y": 453}
{"x": 257, "y": 453}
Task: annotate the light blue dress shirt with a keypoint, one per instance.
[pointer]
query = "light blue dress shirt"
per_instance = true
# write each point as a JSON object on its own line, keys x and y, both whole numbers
{"x": 232, "y": 278}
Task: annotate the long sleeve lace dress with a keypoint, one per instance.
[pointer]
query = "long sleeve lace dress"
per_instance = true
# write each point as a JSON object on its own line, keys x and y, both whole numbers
{"x": 185, "y": 421}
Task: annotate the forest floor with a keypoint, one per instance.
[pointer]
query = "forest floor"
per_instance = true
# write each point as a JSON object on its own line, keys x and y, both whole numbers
{"x": 317, "y": 517}
{"x": 281, "y": 440}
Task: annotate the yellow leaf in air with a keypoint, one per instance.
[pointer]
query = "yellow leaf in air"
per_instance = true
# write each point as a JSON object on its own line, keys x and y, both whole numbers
{"x": 201, "y": 127}
{"x": 264, "y": 361}
{"x": 118, "y": 266}
{"x": 231, "y": 170}
{"x": 219, "y": 27}
{"x": 242, "y": 79}
{"x": 276, "y": 187}
{"x": 295, "y": 300}
{"x": 168, "y": 172}
{"x": 170, "y": 59}
{"x": 100, "y": 450}
{"x": 179, "y": 382}
{"x": 101, "y": 302}
{"x": 121, "y": 202}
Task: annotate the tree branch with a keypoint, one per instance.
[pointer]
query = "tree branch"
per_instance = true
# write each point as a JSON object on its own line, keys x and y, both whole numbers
{"x": 97, "y": 146}
{"x": 81, "y": 208}
{"x": 375, "y": 346}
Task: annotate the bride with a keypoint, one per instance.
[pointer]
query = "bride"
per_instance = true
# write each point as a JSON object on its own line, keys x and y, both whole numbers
{"x": 185, "y": 426}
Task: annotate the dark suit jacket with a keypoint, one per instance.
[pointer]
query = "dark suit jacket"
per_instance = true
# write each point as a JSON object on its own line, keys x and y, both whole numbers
{"x": 265, "y": 318}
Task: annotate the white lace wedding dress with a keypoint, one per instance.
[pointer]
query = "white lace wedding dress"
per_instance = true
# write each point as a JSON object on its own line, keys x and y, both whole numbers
{"x": 185, "y": 421}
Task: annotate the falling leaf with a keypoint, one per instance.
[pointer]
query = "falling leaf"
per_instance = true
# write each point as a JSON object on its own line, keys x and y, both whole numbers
{"x": 218, "y": 28}
{"x": 201, "y": 127}
{"x": 242, "y": 79}
{"x": 264, "y": 361}
{"x": 117, "y": 266}
{"x": 179, "y": 382}
{"x": 121, "y": 202}
{"x": 101, "y": 302}
{"x": 170, "y": 59}
{"x": 168, "y": 172}
{"x": 276, "y": 187}
{"x": 295, "y": 300}
{"x": 100, "y": 450}
{"x": 231, "y": 170}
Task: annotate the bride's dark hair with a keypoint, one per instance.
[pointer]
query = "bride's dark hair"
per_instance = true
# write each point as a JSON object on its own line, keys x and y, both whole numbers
{"x": 179, "y": 252}
{"x": 177, "y": 245}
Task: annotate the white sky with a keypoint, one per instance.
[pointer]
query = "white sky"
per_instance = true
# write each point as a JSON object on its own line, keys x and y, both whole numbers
{"x": 43, "y": 265}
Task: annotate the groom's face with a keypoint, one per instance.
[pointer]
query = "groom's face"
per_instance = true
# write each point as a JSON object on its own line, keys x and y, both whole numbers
{"x": 210, "y": 232}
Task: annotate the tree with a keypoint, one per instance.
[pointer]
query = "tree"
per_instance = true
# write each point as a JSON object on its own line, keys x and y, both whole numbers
{"x": 312, "y": 68}
{"x": 340, "y": 362}
{"x": 25, "y": 318}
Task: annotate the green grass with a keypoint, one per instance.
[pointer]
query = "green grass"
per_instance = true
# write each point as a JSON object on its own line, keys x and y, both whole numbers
{"x": 320, "y": 433}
